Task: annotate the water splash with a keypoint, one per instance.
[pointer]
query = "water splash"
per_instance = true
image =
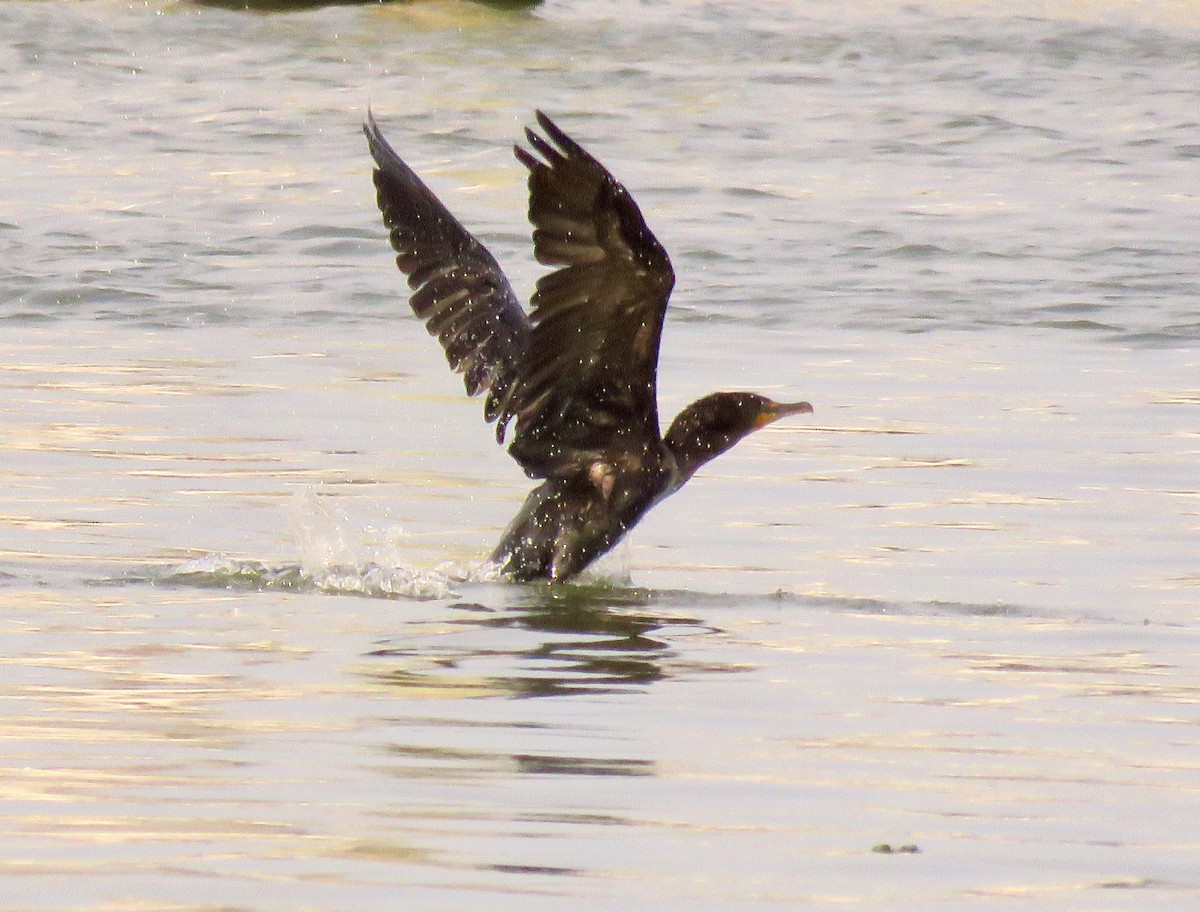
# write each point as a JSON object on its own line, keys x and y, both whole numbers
{"x": 335, "y": 558}
{"x": 367, "y": 561}
{"x": 222, "y": 571}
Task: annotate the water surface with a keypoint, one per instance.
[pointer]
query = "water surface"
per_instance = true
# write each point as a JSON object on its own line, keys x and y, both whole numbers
{"x": 250, "y": 659}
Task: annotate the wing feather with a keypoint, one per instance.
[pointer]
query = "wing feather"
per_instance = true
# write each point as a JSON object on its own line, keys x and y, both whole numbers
{"x": 586, "y": 383}
{"x": 457, "y": 286}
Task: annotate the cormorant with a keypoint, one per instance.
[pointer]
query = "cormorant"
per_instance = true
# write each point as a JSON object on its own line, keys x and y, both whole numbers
{"x": 577, "y": 374}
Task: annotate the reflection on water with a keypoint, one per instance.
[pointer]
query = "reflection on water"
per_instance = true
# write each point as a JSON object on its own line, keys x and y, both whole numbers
{"x": 573, "y": 642}
{"x": 585, "y": 638}
{"x": 442, "y": 762}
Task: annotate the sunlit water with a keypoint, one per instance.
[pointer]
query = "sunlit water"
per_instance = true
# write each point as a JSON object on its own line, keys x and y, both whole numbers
{"x": 252, "y": 657}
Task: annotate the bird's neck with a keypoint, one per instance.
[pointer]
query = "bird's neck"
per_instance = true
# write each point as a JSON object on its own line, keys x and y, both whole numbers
{"x": 690, "y": 448}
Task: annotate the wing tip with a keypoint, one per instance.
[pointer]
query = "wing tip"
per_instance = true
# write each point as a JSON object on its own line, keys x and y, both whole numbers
{"x": 525, "y": 157}
{"x": 386, "y": 158}
{"x": 375, "y": 141}
{"x": 555, "y": 147}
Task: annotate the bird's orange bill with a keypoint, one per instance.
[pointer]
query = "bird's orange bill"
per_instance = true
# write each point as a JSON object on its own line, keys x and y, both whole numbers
{"x": 778, "y": 410}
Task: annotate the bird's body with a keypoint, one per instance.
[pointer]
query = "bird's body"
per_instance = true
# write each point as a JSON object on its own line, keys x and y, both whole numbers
{"x": 577, "y": 375}
{"x": 567, "y": 523}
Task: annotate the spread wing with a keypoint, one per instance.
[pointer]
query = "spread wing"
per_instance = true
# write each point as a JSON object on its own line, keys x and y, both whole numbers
{"x": 586, "y": 383}
{"x": 458, "y": 289}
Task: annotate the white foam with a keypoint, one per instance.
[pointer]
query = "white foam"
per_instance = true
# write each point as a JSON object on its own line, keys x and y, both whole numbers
{"x": 372, "y": 561}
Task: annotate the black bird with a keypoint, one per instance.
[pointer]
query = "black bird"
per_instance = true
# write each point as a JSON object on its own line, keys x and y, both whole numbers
{"x": 578, "y": 373}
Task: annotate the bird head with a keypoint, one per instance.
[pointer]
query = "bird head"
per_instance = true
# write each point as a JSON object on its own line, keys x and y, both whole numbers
{"x": 710, "y": 426}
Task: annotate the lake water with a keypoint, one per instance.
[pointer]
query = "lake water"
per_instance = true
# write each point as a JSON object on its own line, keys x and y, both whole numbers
{"x": 250, "y": 660}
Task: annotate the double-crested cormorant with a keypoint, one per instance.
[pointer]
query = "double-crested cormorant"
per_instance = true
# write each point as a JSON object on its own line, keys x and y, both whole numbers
{"x": 578, "y": 373}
